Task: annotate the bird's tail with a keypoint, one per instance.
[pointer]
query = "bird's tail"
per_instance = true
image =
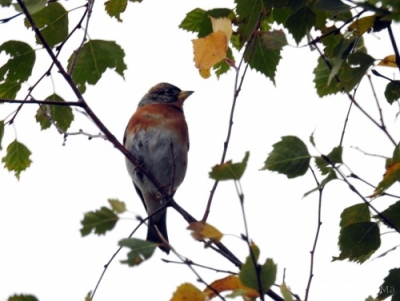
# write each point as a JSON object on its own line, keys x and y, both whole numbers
{"x": 152, "y": 234}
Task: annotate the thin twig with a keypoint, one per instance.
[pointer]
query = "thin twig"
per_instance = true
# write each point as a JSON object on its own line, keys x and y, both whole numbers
{"x": 257, "y": 267}
{"x": 345, "y": 122}
{"x": 352, "y": 99}
{"x": 188, "y": 261}
{"x": 394, "y": 45}
{"x": 334, "y": 31}
{"x": 141, "y": 221}
{"x": 312, "y": 253}
{"x": 369, "y": 154}
{"x": 185, "y": 261}
{"x": 376, "y": 101}
{"x": 354, "y": 176}
{"x": 237, "y": 88}
{"x": 352, "y": 188}
{"x": 44, "y": 102}
{"x": 76, "y": 52}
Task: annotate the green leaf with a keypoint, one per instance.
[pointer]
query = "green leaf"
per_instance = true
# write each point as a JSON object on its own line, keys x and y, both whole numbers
{"x": 248, "y": 274}
{"x": 289, "y": 156}
{"x": 332, "y": 5}
{"x": 61, "y": 115}
{"x": 340, "y": 55}
{"x": 93, "y": 60}
{"x": 358, "y": 241}
{"x": 322, "y": 74}
{"x": 32, "y": 6}
{"x": 355, "y": 214}
{"x": 267, "y": 271}
{"x": 43, "y": 117}
{"x": 274, "y": 39}
{"x": 99, "y": 221}
{"x": 193, "y": 20}
{"x": 248, "y": 12}
{"x": 268, "y": 274}
{"x": 19, "y": 66}
{"x": 22, "y": 298}
{"x": 9, "y": 90}
{"x": 117, "y": 205}
{"x": 17, "y": 158}
{"x": 262, "y": 59}
{"x": 300, "y": 23}
{"x": 1, "y": 132}
{"x": 229, "y": 170}
{"x": 52, "y": 22}
{"x": 331, "y": 176}
{"x": 392, "y": 213}
{"x": 352, "y": 72}
{"x": 280, "y": 15}
{"x": 141, "y": 250}
{"x": 334, "y": 157}
{"x": 5, "y": 3}
{"x": 392, "y": 91}
{"x": 114, "y": 8}
{"x": 390, "y": 285}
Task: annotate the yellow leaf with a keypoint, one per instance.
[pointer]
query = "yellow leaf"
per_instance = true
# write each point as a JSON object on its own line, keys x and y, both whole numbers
{"x": 389, "y": 61}
{"x": 210, "y": 50}
{"x": 222, "y": 24}
{"x": 286, "y": 292}
{"x": 230, "y": 283}
{"x": 188, "y": 292}
{"x": 205, "y": 73}
{"x": 360, "y": 26}
{"x": 203, "y": 230}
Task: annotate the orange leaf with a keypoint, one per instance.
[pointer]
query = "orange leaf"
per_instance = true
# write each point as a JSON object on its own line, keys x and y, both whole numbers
{"x": 203, "y": 230}
{"x": 391, "y": 176}
{"x": 187, "y": 291}
{"x": 210, "y": 50}
{"x": 230, "y": 283}
{"x": 389, "y": 61}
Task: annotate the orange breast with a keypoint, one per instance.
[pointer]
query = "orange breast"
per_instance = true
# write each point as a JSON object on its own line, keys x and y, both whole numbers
{"x": 167, "y": 116}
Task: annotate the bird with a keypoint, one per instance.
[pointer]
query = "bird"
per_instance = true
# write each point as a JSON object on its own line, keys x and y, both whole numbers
{"x": 157, "y": 136}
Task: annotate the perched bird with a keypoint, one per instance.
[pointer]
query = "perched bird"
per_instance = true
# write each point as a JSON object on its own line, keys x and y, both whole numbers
{"x": 157, "y": 135}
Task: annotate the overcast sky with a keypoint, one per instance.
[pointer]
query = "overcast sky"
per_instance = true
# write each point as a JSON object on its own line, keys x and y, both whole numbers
{"x": 42, "y": 252}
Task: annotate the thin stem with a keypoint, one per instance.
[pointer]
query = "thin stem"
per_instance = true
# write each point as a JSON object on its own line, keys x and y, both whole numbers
{"x": 352, "y": 188}
{"x": 345, "y": 123}
{"x": 369, "y": 154}
{"x": 352, "y": 99}
{"x": 237, "y": 88}
{"x": 312, "y": 253}
{"x": 44, "y": 102}
{"x": 376, "y": 101}
{"x": 188, "y": 261}
{"x": 394, "y": 45}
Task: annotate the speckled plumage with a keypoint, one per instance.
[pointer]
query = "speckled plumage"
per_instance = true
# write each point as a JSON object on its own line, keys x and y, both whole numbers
{"x": 157, "y": 135}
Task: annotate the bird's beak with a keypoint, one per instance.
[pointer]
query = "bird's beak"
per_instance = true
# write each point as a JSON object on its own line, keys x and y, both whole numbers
{"x": 184, "y": 94}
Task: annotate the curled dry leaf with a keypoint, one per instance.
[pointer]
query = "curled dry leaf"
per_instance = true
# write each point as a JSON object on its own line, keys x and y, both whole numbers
{"x": 203, "y": 230}
{"x": 389, "y": 61}
{"x": 230, "y": 283}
